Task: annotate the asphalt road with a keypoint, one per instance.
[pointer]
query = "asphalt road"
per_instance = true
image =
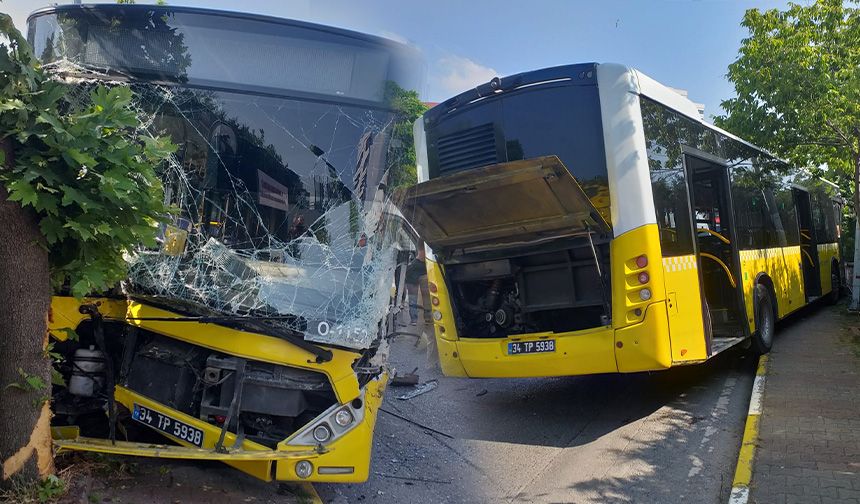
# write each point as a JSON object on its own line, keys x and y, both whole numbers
{"x": 663, "y": 437}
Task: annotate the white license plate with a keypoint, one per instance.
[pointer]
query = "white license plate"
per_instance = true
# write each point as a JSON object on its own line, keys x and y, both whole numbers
{"x": 530, "y": 347}
{"x": 334, "y": 330}
{"x": 168, "y": 425}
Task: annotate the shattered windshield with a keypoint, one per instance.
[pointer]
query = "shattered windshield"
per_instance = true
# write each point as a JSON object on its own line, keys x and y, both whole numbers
{"x": 280, "y": 200}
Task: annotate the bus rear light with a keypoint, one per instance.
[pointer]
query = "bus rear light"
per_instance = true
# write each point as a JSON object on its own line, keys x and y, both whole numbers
{"x": 432, "y": 287}
{"x": 434, "y": 300}
{"x": 642, "y": 261}
{"x": 644, "y": 277}
{"x": 437, "y": 315}
{"x": 645, "y": 294}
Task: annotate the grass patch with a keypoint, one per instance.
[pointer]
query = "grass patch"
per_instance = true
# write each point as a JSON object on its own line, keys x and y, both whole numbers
{"x": 48, "y": 490}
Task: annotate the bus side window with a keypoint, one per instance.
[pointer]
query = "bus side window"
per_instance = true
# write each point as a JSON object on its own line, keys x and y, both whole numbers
{"x": 673, "y": 215}
{"x": 823, "y": 218}
{"x": 663, "y": 132}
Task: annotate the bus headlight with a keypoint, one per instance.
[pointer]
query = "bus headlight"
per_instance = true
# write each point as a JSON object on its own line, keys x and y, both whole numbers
{"x": 645, "y": 294}
{"x": 322, "y": 433}
{"x": 304, "y": 469}
{"x": 331, "y": 424}
{"x": 343, "y": 417}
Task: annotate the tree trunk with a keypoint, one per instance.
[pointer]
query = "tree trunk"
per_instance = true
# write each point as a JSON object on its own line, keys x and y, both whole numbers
{"x": 855, "y": 272}
{"x": 854, "y": 281}
{"x": 25, "y": 297}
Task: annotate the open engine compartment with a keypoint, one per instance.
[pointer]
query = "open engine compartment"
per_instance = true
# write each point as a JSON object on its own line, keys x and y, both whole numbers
{"x": 542, "y": 289}
{"x": 259, "y": 401}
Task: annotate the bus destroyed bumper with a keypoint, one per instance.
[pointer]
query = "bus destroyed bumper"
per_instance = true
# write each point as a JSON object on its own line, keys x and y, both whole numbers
{"x": 340, "y": 458}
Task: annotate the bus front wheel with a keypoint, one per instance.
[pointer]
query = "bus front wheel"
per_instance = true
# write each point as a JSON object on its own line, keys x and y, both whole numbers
{"x": 765, "y": 323}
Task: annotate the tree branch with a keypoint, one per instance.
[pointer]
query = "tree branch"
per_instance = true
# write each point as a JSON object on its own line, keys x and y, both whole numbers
{"x": 848, "y": 141}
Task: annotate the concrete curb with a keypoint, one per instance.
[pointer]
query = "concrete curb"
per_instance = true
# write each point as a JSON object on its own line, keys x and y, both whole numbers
{"x": 743, "y": 471}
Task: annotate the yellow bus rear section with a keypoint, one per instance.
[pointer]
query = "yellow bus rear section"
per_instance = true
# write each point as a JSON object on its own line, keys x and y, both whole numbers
{"x": 665, "y": 330}
{"x": 637, "y": 341}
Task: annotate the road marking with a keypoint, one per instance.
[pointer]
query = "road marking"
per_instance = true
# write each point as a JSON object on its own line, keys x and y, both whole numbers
{"x": 720, "y": 409}
{"x": 743, "y": 471}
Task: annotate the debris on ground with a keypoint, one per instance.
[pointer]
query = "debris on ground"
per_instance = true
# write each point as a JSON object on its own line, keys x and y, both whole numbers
{"x": 419, "y": 389}
{"x": 481, "y": 393}
{"x": 405, "y": 380}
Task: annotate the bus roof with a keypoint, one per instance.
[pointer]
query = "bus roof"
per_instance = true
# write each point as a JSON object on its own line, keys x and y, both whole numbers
{"x": 105, "y": 7}
{"x": 639, "y": 83}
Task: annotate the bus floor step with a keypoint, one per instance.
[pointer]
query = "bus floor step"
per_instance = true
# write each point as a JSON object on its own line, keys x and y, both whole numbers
{"x": 720, "y": 344}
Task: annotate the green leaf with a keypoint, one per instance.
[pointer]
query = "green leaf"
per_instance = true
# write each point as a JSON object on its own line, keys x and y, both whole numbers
{"x": 57, "y": 378}
{"x": 81, "y": 288}
{"x": 22, "y": 192}
{"x": 81, "y": 230}
{"x": 12, "y": 104}
{"x": 35, "y": 382}
{"x": 53, "y": 230}
{"x": 71, "y": 334}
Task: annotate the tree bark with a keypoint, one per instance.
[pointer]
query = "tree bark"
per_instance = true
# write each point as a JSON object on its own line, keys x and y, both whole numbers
{"x": 855, "y": 272}
{"x": 25, "y": 297}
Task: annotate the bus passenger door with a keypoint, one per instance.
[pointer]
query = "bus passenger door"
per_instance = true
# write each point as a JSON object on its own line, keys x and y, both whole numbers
{"x": 808, "y": 245}
{"x": 716, "y": 252}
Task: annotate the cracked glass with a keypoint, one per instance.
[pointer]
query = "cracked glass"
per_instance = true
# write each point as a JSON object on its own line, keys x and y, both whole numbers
{"x": 282, "y": 211}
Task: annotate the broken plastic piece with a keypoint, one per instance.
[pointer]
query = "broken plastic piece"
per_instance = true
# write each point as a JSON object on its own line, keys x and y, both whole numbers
{"x": 420, "y": 389}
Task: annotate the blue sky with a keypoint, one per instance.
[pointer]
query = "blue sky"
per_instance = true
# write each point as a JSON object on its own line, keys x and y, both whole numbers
{"x": 682, "y": 43}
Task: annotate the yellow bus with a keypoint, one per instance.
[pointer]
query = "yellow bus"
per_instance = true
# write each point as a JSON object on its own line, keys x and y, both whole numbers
{"x": 253, "y": 335}
{"x": 586, "y": 219}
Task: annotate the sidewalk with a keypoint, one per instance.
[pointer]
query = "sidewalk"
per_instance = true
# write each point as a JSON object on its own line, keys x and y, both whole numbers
{"x": 809, "y": 438}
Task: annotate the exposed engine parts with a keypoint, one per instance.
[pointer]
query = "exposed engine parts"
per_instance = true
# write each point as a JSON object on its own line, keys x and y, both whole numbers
{"x": 88, "y": 373}
{"x": 273, "y": 401}
{"x": 530, "y": 292}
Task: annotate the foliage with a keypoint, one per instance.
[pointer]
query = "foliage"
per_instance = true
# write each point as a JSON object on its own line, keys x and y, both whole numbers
{"x": 86, "y": 170}
{"x": 408, "y": 108}
{"x": 28, "y": 382}
{"x": 23, "y": 492}
{"x": 797, "y": 80}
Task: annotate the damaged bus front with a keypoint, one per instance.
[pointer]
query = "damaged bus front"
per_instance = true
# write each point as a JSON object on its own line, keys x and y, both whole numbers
{"x": 255, "y": 334}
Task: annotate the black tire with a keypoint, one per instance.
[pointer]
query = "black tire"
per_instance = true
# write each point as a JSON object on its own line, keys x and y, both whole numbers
{"x": 833, "y": 296}
{"x": 765, "y": 323}
{"x": 708, "y": 324}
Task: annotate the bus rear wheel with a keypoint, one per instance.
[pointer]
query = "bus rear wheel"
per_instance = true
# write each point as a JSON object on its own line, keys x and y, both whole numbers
{"x": 765, "y": 325}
